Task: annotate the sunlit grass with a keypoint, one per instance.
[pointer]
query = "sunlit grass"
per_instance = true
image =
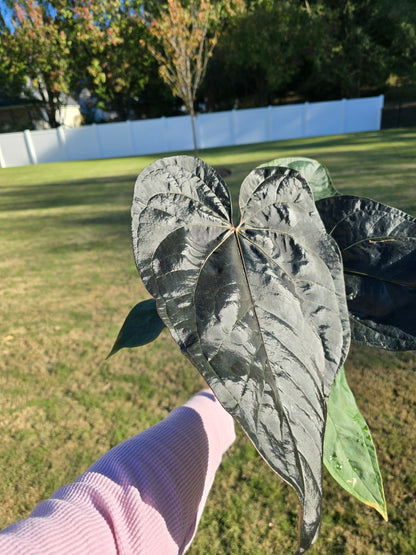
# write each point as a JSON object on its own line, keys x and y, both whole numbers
{"x": 68, "y": 281}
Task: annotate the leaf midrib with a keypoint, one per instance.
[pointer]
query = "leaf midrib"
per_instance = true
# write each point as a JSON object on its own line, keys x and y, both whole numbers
{"x": 296, "y": 451}
{"x": 383, "y": 280}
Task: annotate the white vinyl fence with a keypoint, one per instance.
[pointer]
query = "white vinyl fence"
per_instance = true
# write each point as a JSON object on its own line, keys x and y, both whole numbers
{"x": 151, "y": 136}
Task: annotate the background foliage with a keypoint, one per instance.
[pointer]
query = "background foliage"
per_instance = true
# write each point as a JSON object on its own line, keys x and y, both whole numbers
{"x": 268, "y": 51}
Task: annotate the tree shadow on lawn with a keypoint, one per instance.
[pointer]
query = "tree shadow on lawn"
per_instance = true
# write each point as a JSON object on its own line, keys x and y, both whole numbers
{"x": 69, "y": 193}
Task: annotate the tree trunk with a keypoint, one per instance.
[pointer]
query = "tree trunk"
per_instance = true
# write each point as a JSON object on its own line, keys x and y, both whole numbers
{"x": 51, "y": 108}
{"x": 192, "y": 113}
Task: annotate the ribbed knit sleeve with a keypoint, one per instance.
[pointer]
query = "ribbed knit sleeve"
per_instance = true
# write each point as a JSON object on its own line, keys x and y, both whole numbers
{"x": 145, "y": 496}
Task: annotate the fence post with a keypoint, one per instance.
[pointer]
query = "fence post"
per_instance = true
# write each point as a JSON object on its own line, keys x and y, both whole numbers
{"x": 131, "y": 135}
{"x": 164, "y": 138}
{"x": 233, "y": 122}
{"x": 380, "y": 110}
{"x": 305, "y": 119}
{"x": 2, "y": 160}
{"x": 30, "y": 147}
{"x": 198, "y": 133}
{"x": 343, "y": 114}
{"x": 97, "y": 140}
{"x": 269, "y": 123}
{"x": 62, "y": 140}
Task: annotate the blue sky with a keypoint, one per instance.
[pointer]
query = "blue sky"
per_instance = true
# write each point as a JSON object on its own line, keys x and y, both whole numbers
{"x": 5, "y": 11}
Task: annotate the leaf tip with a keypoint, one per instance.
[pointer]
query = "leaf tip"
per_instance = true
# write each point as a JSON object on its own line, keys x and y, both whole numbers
{"x": 115, "y": 348}
{"x": 110, "y": 354}
{"x": 382, "y": 510}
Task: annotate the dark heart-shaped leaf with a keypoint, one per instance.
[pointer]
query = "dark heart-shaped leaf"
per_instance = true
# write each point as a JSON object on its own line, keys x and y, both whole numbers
{"x": 349, "y": 451}
{"x": 378, "y": 246}
{"x": 259, "y": 309}
{"x": 141, "y": 326}
{"x": 314, "y": 172}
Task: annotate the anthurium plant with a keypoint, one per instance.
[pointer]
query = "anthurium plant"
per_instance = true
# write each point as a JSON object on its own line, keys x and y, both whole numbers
{"x": 266, "y": 309}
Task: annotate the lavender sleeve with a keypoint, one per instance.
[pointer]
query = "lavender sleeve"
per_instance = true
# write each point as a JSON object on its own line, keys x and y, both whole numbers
{"x": 145, "y": 496}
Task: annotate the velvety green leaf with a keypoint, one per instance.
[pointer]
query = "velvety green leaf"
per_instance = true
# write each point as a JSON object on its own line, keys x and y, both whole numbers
{"x": 259, "y": 309}
{"x": 349, "y": 452}
{"x": 378, "y": 246}
{"x": 141, "y": 326}
{"x": 314, "y": 172}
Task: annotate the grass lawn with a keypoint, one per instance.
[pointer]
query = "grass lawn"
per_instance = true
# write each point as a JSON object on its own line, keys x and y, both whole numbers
{"x": 68, "y": 280}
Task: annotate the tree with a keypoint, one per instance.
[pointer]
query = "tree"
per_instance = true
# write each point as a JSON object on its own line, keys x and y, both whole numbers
{"x": 258, "y": 59}
{"x": 53, "y": 48}
{"x": 352, "y": 57}
{"x": 114, "y": 63}
{"x": 399, "y": 37}
{"x": 361, "y": 44}
{"x": 185, "y": 35}
{"x": 313, "y": 49}
{"x": 37, "y": 46}
{"x": 12, "y": 76}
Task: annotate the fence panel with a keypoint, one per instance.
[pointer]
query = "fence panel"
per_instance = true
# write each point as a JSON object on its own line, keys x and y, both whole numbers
{"x": 250, "y": 126}
{"x": 362, "y": 114}
{"x": 14, "y": 150}
{"x": 177, "y": 132}
{"x": 114, "y": 140}
{"x": 148, "y": 136}
{"x": 81, "y": 143}
{"x": 174, "y": 134}
{"x": 215, "y": 130}
{"x": 47, "y": 146}
{"x": 286, "y": 122}
{"x": 324, "y": 118}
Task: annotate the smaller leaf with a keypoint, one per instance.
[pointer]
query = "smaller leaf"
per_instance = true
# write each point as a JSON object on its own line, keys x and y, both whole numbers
{"x": 378, "y": 248}
{"x": 142, "y": 325}
{"x": 349, "y": 452}
{"x": 314, "y": 172}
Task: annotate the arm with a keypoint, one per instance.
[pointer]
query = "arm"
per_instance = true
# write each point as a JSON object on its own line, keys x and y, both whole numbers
{"x": 144, "y": 496}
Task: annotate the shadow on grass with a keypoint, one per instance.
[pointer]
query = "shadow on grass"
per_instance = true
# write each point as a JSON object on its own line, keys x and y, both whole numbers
{"x": 119, "y": 217}
{"x": 68, "y": 193}
{"x": 330, "y": 143}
